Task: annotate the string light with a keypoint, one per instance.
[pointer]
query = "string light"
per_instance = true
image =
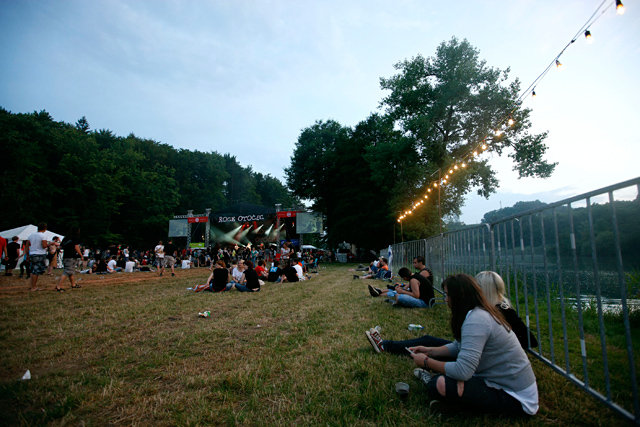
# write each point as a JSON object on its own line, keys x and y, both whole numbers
{"x": 587, "y": 35}
{"x": 510, "y": 121}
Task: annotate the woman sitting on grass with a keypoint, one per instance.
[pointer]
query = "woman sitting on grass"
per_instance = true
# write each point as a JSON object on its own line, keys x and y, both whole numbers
{"x": 251, "y": 280}
{"x": 493, "y": 290}
{"x": 218, "y": 281}
{"x": 491, "y": 372}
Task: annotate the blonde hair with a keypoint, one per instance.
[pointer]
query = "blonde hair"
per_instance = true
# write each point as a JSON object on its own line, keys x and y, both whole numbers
{"x": 492, "y": 287}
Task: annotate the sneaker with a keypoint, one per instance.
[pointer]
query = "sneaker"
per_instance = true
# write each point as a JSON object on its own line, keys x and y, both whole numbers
{"x": 355, "y": 276}
{"x": 160, "y": 274}
{"x": 374, "y": 291}
{"x": 391, "y": 287}
{"x": 173, "y": 274}
{"x": 436, "y": 405}
{"x": 423, "y": 375}
{"x": 375, "y": 339}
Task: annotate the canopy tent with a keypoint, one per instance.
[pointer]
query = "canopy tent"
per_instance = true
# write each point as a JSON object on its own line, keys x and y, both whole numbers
{"x": 25, "y": 231}
{"x": 308, "y": 247}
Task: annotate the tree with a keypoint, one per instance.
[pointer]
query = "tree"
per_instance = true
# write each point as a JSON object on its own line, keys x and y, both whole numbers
{"x": 448, "y": 103}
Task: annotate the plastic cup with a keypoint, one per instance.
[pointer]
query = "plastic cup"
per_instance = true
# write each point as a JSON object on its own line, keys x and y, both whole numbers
{"x": 402, "y": 389}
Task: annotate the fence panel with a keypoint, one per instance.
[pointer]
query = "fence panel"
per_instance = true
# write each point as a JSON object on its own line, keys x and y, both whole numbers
{"x": 568, "y": 269}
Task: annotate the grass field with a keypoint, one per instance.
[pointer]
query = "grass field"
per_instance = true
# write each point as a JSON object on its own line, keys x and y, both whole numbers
{"x": 130, "y": 349}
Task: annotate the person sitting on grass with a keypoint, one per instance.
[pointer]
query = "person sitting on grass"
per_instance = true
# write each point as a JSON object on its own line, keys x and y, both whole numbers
{"x": 218, "y": 280}
{"x": 262, "y": 272}
{"x": 418, "y": 293}
{"x": 289, "y": 273}
{"x": 275, "y": 273}
{"x": 250, "y": 278}
{"x": 491, "y": 372}
{"x": 493, "y": 290}
{"x": 382, "y": 272}
{"x": 299, "y": 269}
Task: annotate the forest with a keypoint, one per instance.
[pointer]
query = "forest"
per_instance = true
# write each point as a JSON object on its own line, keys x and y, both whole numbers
{"x": 116, "y": 189}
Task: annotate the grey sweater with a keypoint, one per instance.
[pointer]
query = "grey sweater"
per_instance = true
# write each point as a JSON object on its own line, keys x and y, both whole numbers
{"x": 488, "y": 351}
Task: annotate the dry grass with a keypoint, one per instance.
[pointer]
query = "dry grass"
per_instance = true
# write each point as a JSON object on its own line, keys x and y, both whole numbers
{"x": 130, "y": 350}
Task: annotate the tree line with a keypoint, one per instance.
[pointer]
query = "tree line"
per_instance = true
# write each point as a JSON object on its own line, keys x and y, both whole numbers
{"x": 116, "y": 189}
{"x": 435, "y": 112}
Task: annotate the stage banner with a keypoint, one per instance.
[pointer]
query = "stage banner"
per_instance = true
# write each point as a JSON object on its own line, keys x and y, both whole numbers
{"x": 308, "y": 223}
{"x": 198, "y": 219}
{"x": 178, "y": 228}
{"x": 287, "y": 214}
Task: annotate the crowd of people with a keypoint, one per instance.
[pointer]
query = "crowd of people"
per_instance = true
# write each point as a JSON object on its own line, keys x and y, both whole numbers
{"x": 483, "y": 369}
{"x": 38, "y": 256}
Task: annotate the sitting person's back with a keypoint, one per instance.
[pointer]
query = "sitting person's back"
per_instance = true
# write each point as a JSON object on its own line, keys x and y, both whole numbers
{"x": 220, "y": 278}
{"x": 289, "y": 273}
{"x": 275, "y": 272}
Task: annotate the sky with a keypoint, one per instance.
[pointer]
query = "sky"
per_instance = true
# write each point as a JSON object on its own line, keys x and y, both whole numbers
{"x": 245, "y": 77}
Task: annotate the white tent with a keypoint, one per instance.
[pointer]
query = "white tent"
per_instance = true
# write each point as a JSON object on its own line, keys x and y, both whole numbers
{"x": 308, "y": 247}
{"x": 25, "y": 231}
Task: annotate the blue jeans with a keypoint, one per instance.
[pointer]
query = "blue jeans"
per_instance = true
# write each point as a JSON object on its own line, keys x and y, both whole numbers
{"x": 229, "y": 286}
{"x": 405, "y": 300}
{"x": 243, "y": 288}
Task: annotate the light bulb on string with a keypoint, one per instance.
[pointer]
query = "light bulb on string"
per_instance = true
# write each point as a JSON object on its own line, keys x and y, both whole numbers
{"x": 446, "y": 176}
{"x": 511, "y": 121}
{"x": 429, "y": 190}
{"x": 498, "y": 132}
{"x": 588, "y": 36}
{"x": 533, "y": 94}
{"x": 475, "y": 153}
{"x": 558, "y": 65}
{"x": 456, "y": 167}
{"x": 435, "y": 184}
{"x": 464, "y": 165}
{"x": 450, "y": 170}
{"x": 484, "y": 146}
{"x": 619, "y": 7}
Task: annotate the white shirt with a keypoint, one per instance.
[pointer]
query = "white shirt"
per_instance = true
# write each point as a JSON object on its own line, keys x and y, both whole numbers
{"x": 237, "y": 274}
{"x": 35, "y": 247}
{"x": 128, "y": 268}
{"x": 299, "y": 271}
{"x": 159, "y": 250}
{"x": 112, "y": 264}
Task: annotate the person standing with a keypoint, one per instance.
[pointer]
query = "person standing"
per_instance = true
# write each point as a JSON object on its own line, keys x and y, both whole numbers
{"x": 72, "y": 253}
{"x": 36, "y": 249}
{"x": 13, "y": 253}
{"x": 52, "y": 254}
{"x": 169, "y": 256}
{"x": 159, "y": 251}
{"x": 3, "y": 251}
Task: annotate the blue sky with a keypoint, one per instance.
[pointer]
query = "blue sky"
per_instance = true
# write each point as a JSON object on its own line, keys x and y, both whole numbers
{"x": 244, "y": 77}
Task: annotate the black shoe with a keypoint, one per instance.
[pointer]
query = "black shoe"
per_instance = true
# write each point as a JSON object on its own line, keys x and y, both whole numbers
{"x": 374, "y": 291}
{"x": 391, "y": 287}
{"x": 355, "y": 276}
{"x": 173, "y": 274}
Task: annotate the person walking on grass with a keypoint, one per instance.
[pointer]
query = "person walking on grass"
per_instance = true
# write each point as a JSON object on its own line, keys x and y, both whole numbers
{"x": 72, "y": 253}
{"x": 159, "y": 251}
{"x": 169, "y": 256}
{"x": 36, "y": 249}
{"x": 52, "y": 254}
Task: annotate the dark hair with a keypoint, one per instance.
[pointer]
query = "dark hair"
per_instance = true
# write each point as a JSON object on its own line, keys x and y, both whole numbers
{"x": 383, "y": 259}
{"x": 465, "y": 295}
{"x": 248, "y": 264}
{"x": 42, "y": 226}
{"x": 74, "y": 231}
{"x": 404, "y": 272}
{"x": 276, "y": 263}
{"x": 420, "y": 259}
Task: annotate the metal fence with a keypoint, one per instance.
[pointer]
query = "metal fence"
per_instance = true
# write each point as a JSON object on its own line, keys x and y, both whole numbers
{"x": 569, "y": 268}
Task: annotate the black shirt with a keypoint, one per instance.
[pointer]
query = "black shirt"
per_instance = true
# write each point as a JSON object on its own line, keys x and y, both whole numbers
{"x": 426, "y": 288}
{"x": 13, "y": 250}
{"x": 251, "y": 276}
{"x": 291, "y": 273}
{"x": 274, "y": 274}
{"x": 169, "y": 249}
{"x": 220, "y": 279}
{"x": 68, "y": 245}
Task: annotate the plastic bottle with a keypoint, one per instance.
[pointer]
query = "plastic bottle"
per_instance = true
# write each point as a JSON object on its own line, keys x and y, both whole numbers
{"x": 413, "y": 327}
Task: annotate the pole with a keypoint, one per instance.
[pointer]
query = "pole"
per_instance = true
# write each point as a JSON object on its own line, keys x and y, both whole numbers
{"x": 439, "y": 201}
